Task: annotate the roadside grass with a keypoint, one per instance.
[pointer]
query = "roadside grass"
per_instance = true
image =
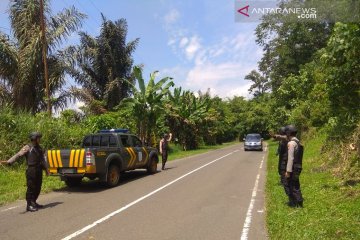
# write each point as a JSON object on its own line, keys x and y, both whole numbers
{"x": 13, "y": 181}
{"x": 331, "y": 208}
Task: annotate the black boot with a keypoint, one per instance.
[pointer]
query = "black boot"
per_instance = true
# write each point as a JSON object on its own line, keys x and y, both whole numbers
{"x": 291, "y": 204}
{"x": 31, "y": 208}
{"x": 299, "y": 204}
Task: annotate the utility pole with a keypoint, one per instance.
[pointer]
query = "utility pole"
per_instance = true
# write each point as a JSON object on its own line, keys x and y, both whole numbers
{"x": 44, "y": 50}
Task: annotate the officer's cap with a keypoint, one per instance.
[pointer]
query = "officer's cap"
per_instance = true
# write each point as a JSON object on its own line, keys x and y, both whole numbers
{"x": 35, "y": 135}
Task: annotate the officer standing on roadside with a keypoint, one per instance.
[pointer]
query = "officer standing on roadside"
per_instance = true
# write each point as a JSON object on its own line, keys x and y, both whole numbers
{"x": 293, "y": 168}
{"x": 164, "y": 146}
{"x": 35, "y": 161}
{"x": 282, "y": 153}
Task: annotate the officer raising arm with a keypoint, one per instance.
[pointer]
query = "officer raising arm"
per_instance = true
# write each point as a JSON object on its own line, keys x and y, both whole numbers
{"x": 163, "y": 147}
{"x": 35, "y": 161}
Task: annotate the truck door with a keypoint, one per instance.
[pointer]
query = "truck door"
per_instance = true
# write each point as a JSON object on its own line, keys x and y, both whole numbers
{"x": 141, "y": 157}
{"x": 128, "y": 151}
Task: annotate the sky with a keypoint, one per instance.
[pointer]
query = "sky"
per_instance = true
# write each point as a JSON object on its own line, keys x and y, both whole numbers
{"x": 198, "y": 43}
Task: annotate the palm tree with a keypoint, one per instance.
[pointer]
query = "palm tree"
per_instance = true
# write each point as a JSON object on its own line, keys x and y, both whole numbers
{"x": 21, "y": 65}
{"x": 102, "y": 66}
{"x": 147, "y": 102}
{"x": 260, "y": 83}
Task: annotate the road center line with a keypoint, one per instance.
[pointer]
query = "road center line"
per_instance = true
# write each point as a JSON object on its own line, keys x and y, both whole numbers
{"x": 10, "y": 208}
{"x": 112, "y": 214}
{"x": 247, "y": 223}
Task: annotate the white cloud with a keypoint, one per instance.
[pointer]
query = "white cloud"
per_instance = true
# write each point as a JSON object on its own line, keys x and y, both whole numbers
{"x": 226, "y": 78}
{"x": 172, "y": 16}
{"x": 240, "y": 91}
{"x": 220, "y": 66}
{"x": 183, "y": 42}
{"x": 193, "y": 47}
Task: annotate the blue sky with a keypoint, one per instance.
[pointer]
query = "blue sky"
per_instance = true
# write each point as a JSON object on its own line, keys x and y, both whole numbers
{"x": 198, "y": 43}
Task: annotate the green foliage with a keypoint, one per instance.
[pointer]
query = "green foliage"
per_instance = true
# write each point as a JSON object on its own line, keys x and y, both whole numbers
{"x": 21, "y": 65}
{"x": 102, "y": 66}
{"x": 341, "y": 58}
{"x": 191, "y": 118}
{"x": 147, "y": 103}
{"x": 260, "y": 83}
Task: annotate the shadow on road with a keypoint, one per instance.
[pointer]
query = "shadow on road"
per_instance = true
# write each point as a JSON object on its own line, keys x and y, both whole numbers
{"x": 94, "y": 186}
{"x": 51, "y": 205}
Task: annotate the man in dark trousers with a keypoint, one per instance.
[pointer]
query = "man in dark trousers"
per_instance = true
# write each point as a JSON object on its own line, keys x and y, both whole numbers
{"x": 35, "y": 161}
{"x": 163, "y": 147}
{"x": 293, "y": 167}
{"x": 282, "y": 153}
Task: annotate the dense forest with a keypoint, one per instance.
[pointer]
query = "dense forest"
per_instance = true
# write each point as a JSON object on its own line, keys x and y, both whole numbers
{"x": 308, "y": 76}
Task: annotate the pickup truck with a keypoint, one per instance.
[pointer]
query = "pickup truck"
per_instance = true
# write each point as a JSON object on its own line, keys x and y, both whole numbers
{"x": 104, "y": 155}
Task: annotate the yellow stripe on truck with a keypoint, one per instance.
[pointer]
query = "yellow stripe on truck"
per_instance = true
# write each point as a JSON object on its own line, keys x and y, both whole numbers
{"x": 131, "y": 156}
{"x": 71, "y": 164}
{"x": 50, "y": 158}
{"x": 53, "y": 152}
{"x": 77, "y": 158}
{"x": 81, "y": 161}
{"x": 134, "y": 155}
{"x": 146, "y": 155}
{"x": 81, "y": 170}
{"x": 59, "y": 158}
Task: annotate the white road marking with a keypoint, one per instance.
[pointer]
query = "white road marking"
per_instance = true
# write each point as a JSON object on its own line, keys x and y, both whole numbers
{"x": 10, "y": 208}
{"x": 247, "y": 223}
{"x": 112, "y": 214}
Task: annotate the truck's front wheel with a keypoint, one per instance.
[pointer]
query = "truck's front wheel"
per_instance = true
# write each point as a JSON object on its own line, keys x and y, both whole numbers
{"x": 113, "y": 175}
{"x": 73, "y": 182}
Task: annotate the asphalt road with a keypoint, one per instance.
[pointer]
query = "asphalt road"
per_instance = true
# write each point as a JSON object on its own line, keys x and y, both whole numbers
{"x": 216, "y": 195}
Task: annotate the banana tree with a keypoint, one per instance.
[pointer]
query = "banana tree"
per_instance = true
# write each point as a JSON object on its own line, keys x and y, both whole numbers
{"x": 147, "y": 102}
{"x": 185, "y": 114}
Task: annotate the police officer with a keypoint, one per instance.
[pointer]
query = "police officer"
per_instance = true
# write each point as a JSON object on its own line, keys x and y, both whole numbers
{"x": 35, "y": 161}
{"x": 282, "y": 153}
{"x": 164, "y": 146}
{"x": 293, "y": 168}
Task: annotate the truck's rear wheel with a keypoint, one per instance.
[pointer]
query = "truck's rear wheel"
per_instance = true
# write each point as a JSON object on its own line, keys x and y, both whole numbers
{"x": 113, "y": 176}
{"x": 73, "y": 182}
{"x": 152, "y": 168}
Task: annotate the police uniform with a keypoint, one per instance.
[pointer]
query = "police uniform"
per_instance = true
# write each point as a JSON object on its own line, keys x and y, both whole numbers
{"x": 35, "y": 161}
{"x": 283, "y": 158}
{"x": 164, "y": 147}
{"x": 294, "y": 167}
{"x": 164, "y": 152}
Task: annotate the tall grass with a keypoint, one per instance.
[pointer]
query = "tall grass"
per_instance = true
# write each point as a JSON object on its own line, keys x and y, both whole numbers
{"x": 331, "y": 207}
